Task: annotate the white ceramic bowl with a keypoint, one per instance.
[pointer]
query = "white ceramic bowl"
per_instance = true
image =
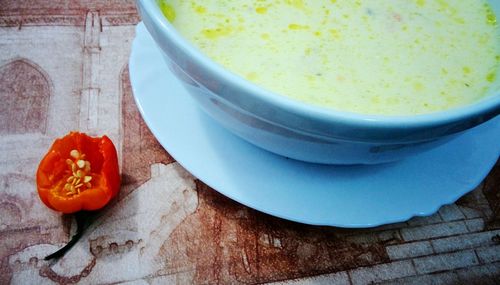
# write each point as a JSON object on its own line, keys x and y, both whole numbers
{"x": 301, "y": 131}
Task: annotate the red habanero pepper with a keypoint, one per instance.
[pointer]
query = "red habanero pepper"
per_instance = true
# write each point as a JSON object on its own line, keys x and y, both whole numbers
{"x": 79, "y": 173}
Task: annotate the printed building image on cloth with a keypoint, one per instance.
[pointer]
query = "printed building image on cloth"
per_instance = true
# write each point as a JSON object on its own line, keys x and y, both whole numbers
{"x": 63, "y": 67}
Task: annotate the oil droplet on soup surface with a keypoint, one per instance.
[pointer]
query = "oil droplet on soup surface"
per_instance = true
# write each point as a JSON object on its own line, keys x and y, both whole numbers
{"x": 386, "y": 57}
{"x": 168, "y": 10}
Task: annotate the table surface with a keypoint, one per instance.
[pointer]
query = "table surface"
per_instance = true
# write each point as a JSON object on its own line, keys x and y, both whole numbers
{"x": 63, "y": 66}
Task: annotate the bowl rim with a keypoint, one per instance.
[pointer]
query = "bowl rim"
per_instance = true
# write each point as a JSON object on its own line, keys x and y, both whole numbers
{"x": 486, "y": 105}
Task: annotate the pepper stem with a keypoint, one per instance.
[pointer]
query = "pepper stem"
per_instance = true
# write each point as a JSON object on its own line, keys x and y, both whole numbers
{"x": 83, "y": 219}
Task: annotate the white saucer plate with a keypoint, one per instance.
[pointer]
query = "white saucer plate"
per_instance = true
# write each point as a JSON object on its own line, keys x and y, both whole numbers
{"x": 342, "y": 196}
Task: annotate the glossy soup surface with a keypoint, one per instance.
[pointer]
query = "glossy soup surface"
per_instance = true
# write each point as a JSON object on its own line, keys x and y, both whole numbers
{"x": 387, "y": 57}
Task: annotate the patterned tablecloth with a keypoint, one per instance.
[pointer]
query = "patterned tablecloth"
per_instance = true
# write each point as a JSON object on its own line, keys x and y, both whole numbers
{"x": 63, "y": 66}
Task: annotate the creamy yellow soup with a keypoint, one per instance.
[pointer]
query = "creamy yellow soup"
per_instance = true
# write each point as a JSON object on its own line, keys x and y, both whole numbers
{"x": 387, "y": 57}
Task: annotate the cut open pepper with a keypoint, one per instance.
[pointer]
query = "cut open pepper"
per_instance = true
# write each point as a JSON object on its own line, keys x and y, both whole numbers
{"x": 79, "y": 173}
